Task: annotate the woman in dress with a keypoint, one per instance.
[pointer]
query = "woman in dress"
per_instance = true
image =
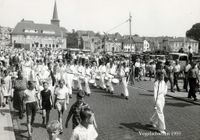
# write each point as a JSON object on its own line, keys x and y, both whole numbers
{"x": 19, "y": 86}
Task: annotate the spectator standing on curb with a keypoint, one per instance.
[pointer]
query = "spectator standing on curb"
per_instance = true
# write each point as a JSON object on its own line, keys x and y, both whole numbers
{"x": 190, "y": 53}
{"x": 186, "y": 70}
{"x": 193, "y": 79}
{"x": 7, "y": 86}
{"x": 177, "y": 69}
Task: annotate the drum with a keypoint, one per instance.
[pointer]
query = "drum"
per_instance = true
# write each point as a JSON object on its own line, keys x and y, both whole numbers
{"x": 81, "y": 77}
{"x": 106, "y": 78}
{"x": 91, "y": 81}
{"x": 97, "y": 77}
{"x": 115, "y": 81}
{"x": 75, "y": 78}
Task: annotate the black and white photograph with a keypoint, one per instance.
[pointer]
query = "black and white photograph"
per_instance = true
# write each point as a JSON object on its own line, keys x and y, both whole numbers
{"x": 99, "y": 70}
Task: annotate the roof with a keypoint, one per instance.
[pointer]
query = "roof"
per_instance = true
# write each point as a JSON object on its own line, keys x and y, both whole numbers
{"x": 182, "y": 39}
{"x": 82, "y": 32}
{"x": 42, "y": 29}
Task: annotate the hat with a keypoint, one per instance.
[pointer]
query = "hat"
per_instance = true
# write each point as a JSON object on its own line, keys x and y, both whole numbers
{"x": 81, "y": 94}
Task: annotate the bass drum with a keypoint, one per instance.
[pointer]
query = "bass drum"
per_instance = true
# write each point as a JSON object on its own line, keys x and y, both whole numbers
{"x": 91, "y": 81}
{"x": 97, "y": 78}
{"x": 115, "y": 81}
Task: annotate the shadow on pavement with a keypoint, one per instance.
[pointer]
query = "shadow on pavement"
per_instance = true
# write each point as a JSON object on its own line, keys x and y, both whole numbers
{"x": 36, "y": 125}
{"x": 5, "y": 110}
{"x": 113, "y": 96}
{"x": 146, "y": 94}
{"x": 178, "y": 104}
{"x": 136, "y": 126}
{"x": 9, "y": 128}
{"x": 20, "y": 136}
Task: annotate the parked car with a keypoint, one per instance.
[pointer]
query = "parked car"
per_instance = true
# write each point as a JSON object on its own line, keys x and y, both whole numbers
{"x": 182, "y": 57}
{"x": 196, "y": 58}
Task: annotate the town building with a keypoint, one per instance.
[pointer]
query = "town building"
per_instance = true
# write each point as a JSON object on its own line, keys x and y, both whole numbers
{"x": 29, "y": 35}
{"x": 175, "y": 44}
{"x": 5, "y": 35}
{"x": 112, "y": 43}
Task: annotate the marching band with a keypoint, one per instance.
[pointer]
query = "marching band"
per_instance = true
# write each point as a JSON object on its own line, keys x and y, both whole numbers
{"x": 81, "y": 75}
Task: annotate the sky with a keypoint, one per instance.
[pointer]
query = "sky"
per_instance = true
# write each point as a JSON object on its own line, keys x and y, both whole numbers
{"x": 149, "y": 17}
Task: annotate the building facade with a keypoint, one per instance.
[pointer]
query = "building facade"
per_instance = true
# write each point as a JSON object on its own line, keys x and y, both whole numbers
{"x": 29, "y": 35}
{"x": 176, "y": 44}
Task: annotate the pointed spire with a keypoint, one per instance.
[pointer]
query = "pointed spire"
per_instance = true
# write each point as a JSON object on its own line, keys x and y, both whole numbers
{"x": 55, "y": 20}
{"x": 55, "y": 12}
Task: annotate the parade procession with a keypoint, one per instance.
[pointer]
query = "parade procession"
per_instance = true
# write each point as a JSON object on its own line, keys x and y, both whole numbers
{"x": 57, "y": 84}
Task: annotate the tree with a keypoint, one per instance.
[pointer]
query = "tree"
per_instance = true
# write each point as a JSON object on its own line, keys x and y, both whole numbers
{"x": 194, "y": 32}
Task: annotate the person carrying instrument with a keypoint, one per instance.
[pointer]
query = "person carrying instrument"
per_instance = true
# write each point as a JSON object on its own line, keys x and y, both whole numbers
{"x": 102, "y": 70}
{"x": 87, "y": 78}
{"x": 124, "y": 84}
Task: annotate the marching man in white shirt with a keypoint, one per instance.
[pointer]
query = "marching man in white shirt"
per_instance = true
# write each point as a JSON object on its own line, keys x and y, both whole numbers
{"x": 87, "y": 78}
{"x": 111, "y": 74}
{"x": 102, "y": 70}
{"x": 124, "y": 81}
{"x": 160, "y": 90}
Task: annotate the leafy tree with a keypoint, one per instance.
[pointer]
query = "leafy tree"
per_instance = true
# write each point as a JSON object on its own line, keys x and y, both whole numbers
{"x": 194, "y": 32}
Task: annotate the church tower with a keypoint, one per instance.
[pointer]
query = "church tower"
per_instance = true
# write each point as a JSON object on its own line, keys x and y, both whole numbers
{"x": 55, "y": 20}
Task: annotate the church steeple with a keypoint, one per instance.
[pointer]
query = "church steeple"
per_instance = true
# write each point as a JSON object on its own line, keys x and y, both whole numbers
{"x": 55, "y": 20}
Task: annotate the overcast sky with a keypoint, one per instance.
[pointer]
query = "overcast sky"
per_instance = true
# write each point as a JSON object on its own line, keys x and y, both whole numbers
{"x": 150, "y": 17}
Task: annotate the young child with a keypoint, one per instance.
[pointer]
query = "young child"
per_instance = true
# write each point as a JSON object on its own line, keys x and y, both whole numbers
{"x": 75, "y": 110}
{"x": 4, "y": 93}
{"x": 46, "y": 102}
{"x": 160, "y": 90}
{"x": 85, "y": 130}
{"x": 31, "y": 98}
{"x": 2, "y": 102}
{"x": 53, "y": 129}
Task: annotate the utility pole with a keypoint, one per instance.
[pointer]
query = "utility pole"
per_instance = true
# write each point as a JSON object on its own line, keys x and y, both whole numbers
{"x": 130, "y": 19}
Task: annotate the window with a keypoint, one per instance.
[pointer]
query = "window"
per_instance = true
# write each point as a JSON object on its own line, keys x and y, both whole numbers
{"x": 53, "y": 45}
{"x": 183, "y": 58}
{"x": 49, "y": 45}
{"x": 40, "y": 45}
{"x": 57, "y": 46}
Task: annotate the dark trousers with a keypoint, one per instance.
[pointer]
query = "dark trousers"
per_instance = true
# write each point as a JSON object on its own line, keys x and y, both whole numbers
{"x": 176, "y": 74}
{"x": 193, "y": 86}
{"x": 137, "y": 70}
{"x": 185, "y": 86}
{"x": 171, "y": 81}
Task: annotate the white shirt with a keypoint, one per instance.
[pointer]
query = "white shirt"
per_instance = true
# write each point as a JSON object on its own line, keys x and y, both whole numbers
{"x": 159, "y": 95}
{"x": 82, "y": 133}
{"x": 177, "y": 68}
{"x": 30, "y": 95}
{"x": 187, "y": 68}
{"x": 61, "y": 93}
{"x": 137, "y": 64}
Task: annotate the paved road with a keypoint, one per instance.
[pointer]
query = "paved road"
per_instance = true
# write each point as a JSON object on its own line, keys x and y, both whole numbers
{"x": 120, "y": 119}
